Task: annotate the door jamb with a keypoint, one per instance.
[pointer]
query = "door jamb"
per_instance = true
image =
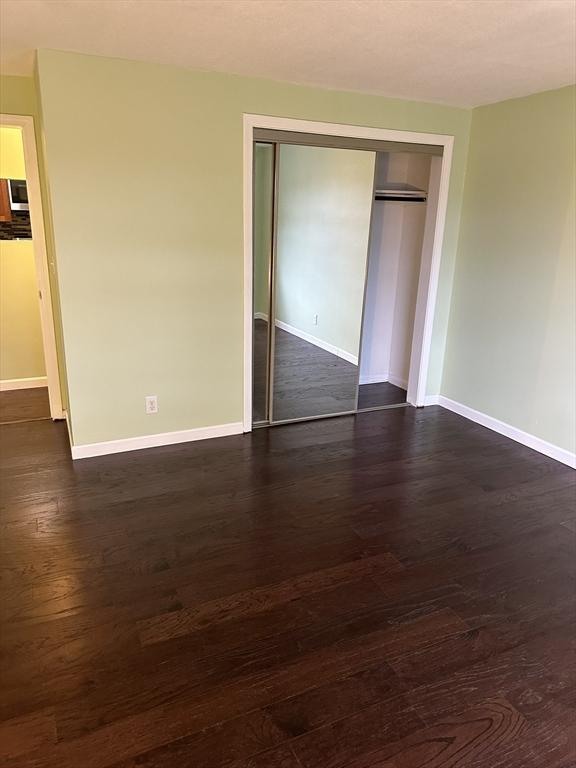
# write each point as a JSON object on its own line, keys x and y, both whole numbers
{"x": 431, "y": 257}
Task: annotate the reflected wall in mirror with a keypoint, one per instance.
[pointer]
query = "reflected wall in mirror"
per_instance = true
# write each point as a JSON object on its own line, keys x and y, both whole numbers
{"x": 263, "y": 212}
{"x": 323, "y": 224}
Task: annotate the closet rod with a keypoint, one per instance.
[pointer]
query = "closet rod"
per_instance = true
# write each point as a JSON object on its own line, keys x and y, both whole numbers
{"x": 400, "y": 199}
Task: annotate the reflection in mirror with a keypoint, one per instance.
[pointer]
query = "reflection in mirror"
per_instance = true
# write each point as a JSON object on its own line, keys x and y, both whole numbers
{"x": 323, "y": 222}
{"x": 262, "y": 227}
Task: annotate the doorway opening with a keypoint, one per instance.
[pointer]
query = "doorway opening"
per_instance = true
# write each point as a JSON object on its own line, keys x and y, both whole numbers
{"x": 29, "y": 380}
{"x": 343, "y": 232}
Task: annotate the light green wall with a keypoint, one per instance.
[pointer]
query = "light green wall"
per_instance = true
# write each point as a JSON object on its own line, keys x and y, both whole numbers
{"x": 151, "y": 289}
{"x": 19, "y": 96}
{"x": 262, "y": 223}
{"x": 511, "y": 344}
{"x": 21, "y": 352}
{"x": 324, "y": 207}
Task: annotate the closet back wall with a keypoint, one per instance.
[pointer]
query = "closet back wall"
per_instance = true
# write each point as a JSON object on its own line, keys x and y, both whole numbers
{"x": 152, "y": 294}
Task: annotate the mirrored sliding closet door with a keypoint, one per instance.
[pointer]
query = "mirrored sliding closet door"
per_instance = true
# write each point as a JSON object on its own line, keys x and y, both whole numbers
{"x": 263, "y": 234}
{"x": 324, "y": 201}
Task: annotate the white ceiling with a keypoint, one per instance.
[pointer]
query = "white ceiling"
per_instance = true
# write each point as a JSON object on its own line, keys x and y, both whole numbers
{"x": 460, "y": 52}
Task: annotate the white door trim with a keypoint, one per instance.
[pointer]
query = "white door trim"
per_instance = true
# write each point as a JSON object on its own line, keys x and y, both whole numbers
{"x": 26, "y": 124}
{"x": 429, "y": 272}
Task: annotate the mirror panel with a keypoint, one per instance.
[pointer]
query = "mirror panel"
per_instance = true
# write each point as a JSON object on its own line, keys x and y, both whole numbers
{"x": 323, "y": 225}
{"x": 263, "y": 212}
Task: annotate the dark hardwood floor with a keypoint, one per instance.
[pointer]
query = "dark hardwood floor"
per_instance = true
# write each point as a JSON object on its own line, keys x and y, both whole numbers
{"x": 24, "y": 405}
{"x": 390, "y": 590}
{"x": 308, "y": 381}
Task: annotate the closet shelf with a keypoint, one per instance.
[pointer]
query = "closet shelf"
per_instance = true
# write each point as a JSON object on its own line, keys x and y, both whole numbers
{"x": 400, "y": 191}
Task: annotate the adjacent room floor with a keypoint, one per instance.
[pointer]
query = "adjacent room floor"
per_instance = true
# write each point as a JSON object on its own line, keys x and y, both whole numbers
{"x": 308, "y": 381}
{"x": 391, "y": 589}
{"x": 24, "y": 405}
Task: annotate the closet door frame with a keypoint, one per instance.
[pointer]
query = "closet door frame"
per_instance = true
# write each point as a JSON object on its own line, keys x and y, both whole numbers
{"x": 272, "y": 286}
{"x": 431, "y": 254}
{"x": 268, "y": 405}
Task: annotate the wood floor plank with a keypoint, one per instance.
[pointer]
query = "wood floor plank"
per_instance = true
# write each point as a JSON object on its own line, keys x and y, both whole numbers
{"x": 187, "y": 621}
{"x": 338, "y": 744}
{"x": 232, "y": 742}
{"x": 508, "y": 674}
{"x": 472, "y": 738}
{"x": 335, "y": 700}
{"x": 280, "y": 757}
{"x": 22, "y": 735}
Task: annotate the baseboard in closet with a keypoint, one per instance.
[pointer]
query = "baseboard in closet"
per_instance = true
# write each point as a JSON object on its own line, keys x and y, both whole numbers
{"x": 374, "y": 378}
{"x": 383, "y": 378}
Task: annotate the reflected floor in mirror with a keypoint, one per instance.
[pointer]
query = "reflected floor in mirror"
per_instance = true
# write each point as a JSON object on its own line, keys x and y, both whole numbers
{"x": 259, "y": 370}
{"x": 308, "y": 381}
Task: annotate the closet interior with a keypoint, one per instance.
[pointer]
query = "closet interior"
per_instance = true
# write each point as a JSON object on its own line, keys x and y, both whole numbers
{"x": 394, "y": 258}
{"x": 338, "y": 229}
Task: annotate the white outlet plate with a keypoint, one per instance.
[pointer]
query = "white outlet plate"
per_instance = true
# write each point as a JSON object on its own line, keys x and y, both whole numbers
{"x": 151, "y": 404}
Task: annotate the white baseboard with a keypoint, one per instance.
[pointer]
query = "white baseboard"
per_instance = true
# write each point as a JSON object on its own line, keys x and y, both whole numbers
{"x": 381, "y": 378}
{"x": 8, "y": 384}
{"x": 317, "y": 342}
{"x": 154, "y": 441}
{"x": 397, "y": 381}
{"x": 531, "y": 441}
{"x": 431, "y": 399}
{"x": 373, "y": 378}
